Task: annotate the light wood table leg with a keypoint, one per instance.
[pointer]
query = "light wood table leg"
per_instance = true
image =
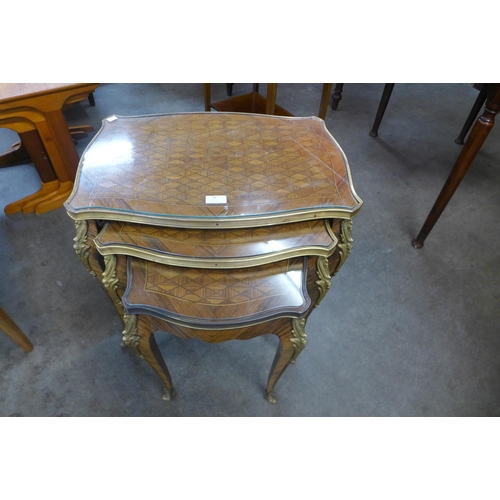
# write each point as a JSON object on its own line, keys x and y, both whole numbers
{"x": 59, "y": 145}
{"x": 46, "y": 191}
{"x": 325, "y": 97}
{"x": 56, "y": 200}
{"x": 14, "y": 332}
{"x": 272, "y": 89}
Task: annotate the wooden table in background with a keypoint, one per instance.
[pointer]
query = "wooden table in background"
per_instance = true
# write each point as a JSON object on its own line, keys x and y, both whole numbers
{"x": 216, "y": 226}
{"x": 254, "y": 102}
{"x": 34, "y": 110}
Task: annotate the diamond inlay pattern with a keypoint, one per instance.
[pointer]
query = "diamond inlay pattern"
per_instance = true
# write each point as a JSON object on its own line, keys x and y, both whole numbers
{"x": 222, "y": 296}
{"x": 165, "y": 165}
{"x": 219, "y": 243}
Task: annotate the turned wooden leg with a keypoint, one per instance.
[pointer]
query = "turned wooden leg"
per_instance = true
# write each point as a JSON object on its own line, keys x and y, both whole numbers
{"x": 386, "y": 95}
{"x": 473, "y": 144}
{"x": 325, "y": 96}
{"x": 271, "y": 98}
{"x": 337, "y": 95}
{"x": 8, "y": 326}
{"x": 149, "y": 350}
{"x": 290, "y": 346}
{"x": 476, "y": 108}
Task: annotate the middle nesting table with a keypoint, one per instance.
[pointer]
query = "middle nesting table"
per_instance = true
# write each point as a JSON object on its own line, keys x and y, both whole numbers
{"x": 215, "y": 285}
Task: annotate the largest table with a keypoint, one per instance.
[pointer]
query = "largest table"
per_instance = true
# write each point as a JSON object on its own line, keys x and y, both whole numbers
{"x": 215, "y": 226}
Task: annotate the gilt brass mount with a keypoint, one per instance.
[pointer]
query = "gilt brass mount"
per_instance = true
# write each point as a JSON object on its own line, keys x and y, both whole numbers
{"x": 82, "y": 248}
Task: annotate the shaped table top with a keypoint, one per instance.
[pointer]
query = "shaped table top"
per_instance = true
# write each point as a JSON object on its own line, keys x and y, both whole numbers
{"x": 212, "y": 170}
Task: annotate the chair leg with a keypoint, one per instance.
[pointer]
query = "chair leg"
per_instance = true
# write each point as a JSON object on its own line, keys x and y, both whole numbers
{"x": 229, "y": 89}
{"x": 477, "y": 136}
{"x": 337, "y": 95}
{"x": 476, "y": 108}
{"x": 14, "y": 332}
{"x": 91, "y": 99}
{"x": 386, "y": 95}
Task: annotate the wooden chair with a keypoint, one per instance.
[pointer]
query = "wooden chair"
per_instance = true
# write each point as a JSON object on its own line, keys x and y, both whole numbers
{"x": 337, "y": 95}
{"x": 474, "y": 112}
{"x": 254, "y": 102}
{"x": 14, "y": 332}
{"x": 386, "y": 95}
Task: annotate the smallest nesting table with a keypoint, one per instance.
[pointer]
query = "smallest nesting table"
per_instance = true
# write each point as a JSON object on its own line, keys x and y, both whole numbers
{"x": 214, "y": 226}
{"x": 215, "y": 306}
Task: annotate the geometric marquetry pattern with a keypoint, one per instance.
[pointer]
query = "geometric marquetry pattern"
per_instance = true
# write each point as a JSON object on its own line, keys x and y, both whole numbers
{"x": 214, "y": 288}
{"x": 218, "y": 294}
{"x": 242, "y": 242}
{"x": 167, "y": 164}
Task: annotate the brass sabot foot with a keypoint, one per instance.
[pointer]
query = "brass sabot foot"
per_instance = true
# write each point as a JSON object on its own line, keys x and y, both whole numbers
{"x": 167, "y": 395}
{"x": 271, "y": 397}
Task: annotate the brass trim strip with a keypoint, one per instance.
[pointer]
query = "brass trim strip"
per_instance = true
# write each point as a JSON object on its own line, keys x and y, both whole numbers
{"x": 214, "y": 222}
{"x": 212, "y": 263}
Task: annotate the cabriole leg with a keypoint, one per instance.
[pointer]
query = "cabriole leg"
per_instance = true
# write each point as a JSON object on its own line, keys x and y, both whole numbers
{"x": 149, "y": 350}
{"x": 290, "y": 346}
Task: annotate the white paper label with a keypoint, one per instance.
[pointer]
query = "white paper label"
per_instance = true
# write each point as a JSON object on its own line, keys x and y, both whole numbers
{"x": 112, "y": 118}
{"x": 215, "y": 199}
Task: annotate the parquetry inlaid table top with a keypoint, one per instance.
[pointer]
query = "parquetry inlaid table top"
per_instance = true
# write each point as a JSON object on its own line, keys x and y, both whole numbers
{"x": 160, "y": 169}
{"x": 202, "y": 297}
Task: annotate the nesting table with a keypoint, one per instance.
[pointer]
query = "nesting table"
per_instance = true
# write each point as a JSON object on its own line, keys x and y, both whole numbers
{"x": 214, "y": 226}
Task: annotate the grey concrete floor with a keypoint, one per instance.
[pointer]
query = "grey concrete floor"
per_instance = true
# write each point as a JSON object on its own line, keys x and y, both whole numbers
{"x": 402, "y": 332}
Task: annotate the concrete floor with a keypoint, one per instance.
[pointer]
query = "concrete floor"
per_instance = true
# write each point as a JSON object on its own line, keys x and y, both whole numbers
{"x": 402, "y": 332}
